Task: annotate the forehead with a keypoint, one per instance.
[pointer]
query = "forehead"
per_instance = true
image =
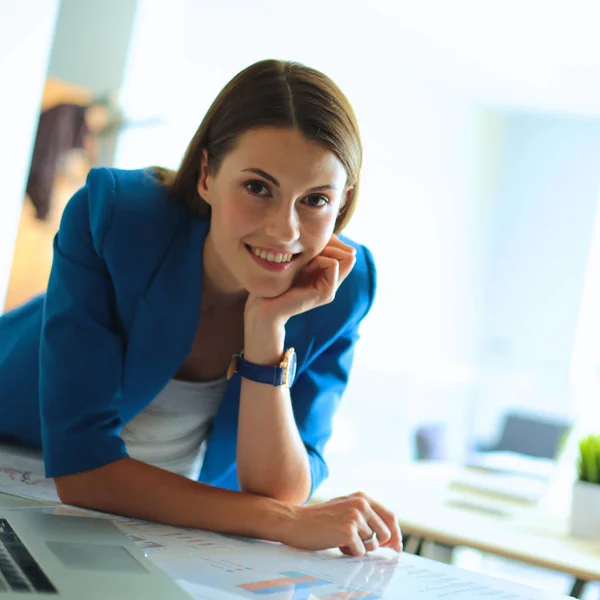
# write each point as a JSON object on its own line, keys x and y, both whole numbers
{"x": 288, "y": 155}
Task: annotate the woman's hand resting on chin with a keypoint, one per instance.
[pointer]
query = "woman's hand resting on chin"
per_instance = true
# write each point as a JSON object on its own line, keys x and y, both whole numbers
{"x": 315, "y": 285}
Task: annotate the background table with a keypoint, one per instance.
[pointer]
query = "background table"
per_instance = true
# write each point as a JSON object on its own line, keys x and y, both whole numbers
{"x": 430, "y": 507}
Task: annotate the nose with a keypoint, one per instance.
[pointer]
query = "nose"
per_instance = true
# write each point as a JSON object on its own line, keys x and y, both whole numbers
{"x": 282, "y": 223}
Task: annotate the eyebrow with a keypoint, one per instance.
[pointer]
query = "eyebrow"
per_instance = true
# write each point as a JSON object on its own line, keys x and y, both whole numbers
{"x": 319, "y": 188}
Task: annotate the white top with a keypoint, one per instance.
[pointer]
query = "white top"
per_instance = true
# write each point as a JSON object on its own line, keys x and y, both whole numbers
{"x": 170, "y": 432}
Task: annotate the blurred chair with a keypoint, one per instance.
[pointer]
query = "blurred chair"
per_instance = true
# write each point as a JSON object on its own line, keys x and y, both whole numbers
{"x": 430, "y": 442}
{"x": 529, "y": 435}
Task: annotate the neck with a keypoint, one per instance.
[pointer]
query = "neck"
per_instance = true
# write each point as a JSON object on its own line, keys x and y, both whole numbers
{"x": 219, "y": 288}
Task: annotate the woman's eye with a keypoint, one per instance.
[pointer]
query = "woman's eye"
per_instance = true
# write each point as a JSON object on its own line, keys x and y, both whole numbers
{"x": 258, "y": 188}
{"x": 317, "y": 201}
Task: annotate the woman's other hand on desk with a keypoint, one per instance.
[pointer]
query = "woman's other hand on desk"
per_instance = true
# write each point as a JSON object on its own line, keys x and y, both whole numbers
{"x": 347, "y": 523}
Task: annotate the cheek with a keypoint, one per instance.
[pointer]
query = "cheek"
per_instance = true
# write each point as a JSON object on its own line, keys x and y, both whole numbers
{"x": 317, "y": 232}
{"x": 233, "y": 215}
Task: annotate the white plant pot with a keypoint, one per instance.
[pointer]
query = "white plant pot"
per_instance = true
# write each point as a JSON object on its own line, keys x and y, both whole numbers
{"x": 585, "y": 510}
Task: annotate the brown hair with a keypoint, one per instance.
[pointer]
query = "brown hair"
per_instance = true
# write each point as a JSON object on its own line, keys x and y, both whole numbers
{"x": 271, "y": 93}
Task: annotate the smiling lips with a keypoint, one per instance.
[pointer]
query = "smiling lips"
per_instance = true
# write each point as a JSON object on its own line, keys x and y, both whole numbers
{"x": 272, "y": 261}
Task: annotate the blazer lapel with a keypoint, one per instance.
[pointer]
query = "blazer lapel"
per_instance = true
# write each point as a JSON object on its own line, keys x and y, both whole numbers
{"x": 166, "y": 315}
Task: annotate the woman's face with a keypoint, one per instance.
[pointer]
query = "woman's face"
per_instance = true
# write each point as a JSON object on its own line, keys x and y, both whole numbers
{"x": 274, "y": 200}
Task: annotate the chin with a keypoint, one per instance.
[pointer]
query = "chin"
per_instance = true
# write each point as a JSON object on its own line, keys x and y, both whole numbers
{"x": 268, "y": 289}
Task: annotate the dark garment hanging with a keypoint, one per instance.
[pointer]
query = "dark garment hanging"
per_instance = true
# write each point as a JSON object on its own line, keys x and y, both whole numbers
{"x": 60, "y": 129}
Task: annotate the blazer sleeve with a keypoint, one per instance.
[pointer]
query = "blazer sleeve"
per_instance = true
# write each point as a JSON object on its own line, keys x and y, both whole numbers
{"x": 81, "y": 350}
{"x": 319, "y": 388}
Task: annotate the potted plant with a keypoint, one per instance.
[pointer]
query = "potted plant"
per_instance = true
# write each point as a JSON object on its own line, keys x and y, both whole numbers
{"x": 585, "y": 507}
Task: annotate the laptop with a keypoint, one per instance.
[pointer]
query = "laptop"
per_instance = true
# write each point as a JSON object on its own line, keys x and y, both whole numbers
{"x": 66, "y": 557}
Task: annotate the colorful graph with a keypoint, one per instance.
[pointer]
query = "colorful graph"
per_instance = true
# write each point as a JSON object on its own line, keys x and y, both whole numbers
{"x": 143, "y": 543}
{"x": 351, "y": 596}
{"x": 289, "y": 581}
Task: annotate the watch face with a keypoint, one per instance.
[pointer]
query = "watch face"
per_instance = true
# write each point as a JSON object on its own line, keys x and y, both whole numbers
{"x": 291, "y": 369}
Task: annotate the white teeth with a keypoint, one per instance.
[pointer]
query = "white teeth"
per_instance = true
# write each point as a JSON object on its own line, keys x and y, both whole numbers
{"x": 271, "y": 257}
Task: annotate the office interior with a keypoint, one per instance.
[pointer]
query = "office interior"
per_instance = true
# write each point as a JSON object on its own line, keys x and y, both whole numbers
{"x": 479, "y": 200}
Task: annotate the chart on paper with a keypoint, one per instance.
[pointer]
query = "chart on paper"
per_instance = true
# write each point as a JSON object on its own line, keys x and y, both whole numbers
{"x": 22, "y": 474}
{"x": 405, "y": 577}
{"x": 223, "y": 568}
{"x": 153, "y": 538}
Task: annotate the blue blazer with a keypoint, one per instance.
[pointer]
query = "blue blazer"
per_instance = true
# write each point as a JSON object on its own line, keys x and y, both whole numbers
{"x": 118, "y": 319}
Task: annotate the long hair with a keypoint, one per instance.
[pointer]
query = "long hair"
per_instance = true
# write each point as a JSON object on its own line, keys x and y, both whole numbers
{"x": 270, "y": 93}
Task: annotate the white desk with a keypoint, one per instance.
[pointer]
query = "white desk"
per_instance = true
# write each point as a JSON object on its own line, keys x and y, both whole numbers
{"x": 214, "y": 567}
{"x": 429, "y": 507}
{"x": 208, "y": 565}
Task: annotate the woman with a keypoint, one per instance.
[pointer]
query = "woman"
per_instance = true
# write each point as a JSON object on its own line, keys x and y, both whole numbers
{"x": 162, "y": 283}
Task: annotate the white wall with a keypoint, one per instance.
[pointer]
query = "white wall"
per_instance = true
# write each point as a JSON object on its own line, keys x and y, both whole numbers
{"x": 419, "y": 149}
{"x": 427, "y": 185}
{"x": 26, "y": 30}
{"x": 439, "y": 168}
{"x": 92, "y": 43}
{"x": 537, "y": 240}
{"x": 423, "y": 143}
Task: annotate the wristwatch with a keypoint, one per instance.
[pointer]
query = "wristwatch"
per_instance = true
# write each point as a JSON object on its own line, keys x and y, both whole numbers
{"x": 280, "y": 375}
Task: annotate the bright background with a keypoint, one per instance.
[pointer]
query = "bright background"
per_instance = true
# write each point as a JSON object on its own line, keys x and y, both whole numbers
{"x": 481, "y": 127}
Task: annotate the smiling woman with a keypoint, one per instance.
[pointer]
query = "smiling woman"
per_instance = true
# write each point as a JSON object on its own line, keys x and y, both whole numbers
{"x": 197, "y": 333}
{"x": 277, "y": 214}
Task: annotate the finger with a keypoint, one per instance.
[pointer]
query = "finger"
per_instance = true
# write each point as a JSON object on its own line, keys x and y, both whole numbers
{"x": 371, "y": 543}
{"x": 346, "y": 259}
{"x": 319, "y": 262}
{"x": 368, "y": 526}
{"x": 377, "y": 526}
{"x": 334, "y": 252}
{"x": 315, "y": 285}
{"x": 389, "y": 518}
{"x": 325, "y": 272}
{"x": 355, "y": 547}
{"x": 339, "y": 254}
{"x": 395, "y": 540}
{"x": 346, "y": 267}
{"x": 337, "y": 243}
{"x": 373, "y": 520}
{"x": 359, "y": 530}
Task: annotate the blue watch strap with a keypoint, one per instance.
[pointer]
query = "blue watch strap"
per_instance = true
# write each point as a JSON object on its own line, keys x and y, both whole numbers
{"x": 258, "y": 373}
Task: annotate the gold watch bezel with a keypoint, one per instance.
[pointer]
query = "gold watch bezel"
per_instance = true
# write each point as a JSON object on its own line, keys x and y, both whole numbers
{"x": 285, "y": 365}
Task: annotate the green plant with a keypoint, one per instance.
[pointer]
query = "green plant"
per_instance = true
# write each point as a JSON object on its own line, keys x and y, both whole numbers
{"x": 588, "y": 463}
